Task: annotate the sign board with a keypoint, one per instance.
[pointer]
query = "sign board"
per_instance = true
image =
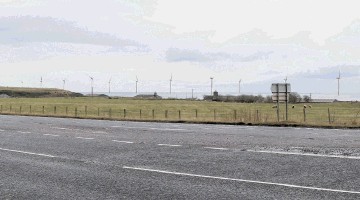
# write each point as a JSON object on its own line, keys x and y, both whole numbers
{"x": 282, "y": 87}
{"x": 282, "y": 97}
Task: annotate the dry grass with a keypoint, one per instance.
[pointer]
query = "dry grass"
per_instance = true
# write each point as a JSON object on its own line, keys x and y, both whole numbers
{"x": 341, "y": 114}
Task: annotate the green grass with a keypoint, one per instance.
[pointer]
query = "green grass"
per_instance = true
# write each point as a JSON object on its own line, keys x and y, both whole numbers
{"x": 343, "y": 114}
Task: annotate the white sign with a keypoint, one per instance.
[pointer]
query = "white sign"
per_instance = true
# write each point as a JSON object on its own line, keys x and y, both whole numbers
{"x": 281, "y": 87}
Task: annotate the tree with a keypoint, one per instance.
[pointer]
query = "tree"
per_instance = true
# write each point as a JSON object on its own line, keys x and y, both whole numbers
{"x": 306, "y": 98}
{"x": 294, "y": 97}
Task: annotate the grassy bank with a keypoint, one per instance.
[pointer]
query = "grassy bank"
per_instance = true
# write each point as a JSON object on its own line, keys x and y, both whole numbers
{"x": 324, "y": 114}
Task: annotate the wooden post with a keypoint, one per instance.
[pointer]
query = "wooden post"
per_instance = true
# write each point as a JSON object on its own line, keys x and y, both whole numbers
{"x": 196, "y": 113}
{"x": 54, "y": 110}
{"x": 30, "y": 109}
{"x": 329, "y": 116}
{"x": 153, "y": 114}
{"x": 179, "y": 114}
{"x": 85, "y": 111}
{"x": 66, "y": 110}
{"x": 1, "y": 109}
{"x": 43, "y": 110}
{"x": 10, "y": 108}
{"x": 235, "y": 117}
{"x": 140, "y": 113}
{"x": 124, "y": 113}
{"x": 214, "y": 114}
{"x": 20, "y": 109}
{"x": 166, "y": 114}
{"x": 110, "y": 114}
{"x": 75, "y": 111}
{"x": 304, "y": 115}
{"x": 98, "y": 112}
{"x": 257, "y": 115}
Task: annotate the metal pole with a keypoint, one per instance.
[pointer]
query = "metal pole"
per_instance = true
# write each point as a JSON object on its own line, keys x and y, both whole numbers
{"x": 286, "y": 101}
{"x": 277, "y": 102}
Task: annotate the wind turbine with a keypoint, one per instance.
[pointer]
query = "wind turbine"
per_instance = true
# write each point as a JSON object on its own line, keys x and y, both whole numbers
{"x": 41, "y": 82}
{"x": 285, "y": 79}
{"x": 211, "y": 78}
{"x": 136, "y": 88}
{"x": 92, "y": 85}
{"x": 64, "y": 84}
{"x": 239, "y": 85}
{"x": 170, "y": 83}
{"x": 338, "y": 78}
{"x": 109, "y": 84}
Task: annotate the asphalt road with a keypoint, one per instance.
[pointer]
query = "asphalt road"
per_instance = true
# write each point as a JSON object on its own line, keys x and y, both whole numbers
{"x": 51, "y": 158}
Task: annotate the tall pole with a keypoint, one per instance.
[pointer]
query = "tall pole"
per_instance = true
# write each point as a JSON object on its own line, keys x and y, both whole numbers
{"x": 41, "y": 82}
{"x": 239, "y": 85}
{"x": 211, "y": 90}
{"x": 64, "y": 84}
{"x": 136, "y": 86}
{"x": 109, "y": 85}
{"x": 92, "y": 86}
{"x": 338, "y": 79}
{"x": 170, "y": 83}
{"x": 192, "y": 93}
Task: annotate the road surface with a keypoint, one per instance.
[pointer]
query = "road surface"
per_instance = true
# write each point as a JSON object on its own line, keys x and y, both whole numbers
{"x": 54, "y": 158}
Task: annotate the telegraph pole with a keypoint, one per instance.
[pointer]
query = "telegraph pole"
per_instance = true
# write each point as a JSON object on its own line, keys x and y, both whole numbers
{"x": 211, "y": 78}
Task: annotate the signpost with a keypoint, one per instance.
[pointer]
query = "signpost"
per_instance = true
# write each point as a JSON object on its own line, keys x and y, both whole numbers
{"x": 281, "y": 94}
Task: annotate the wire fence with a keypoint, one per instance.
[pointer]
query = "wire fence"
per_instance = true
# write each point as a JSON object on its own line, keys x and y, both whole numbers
{"x": 300, "y": 115}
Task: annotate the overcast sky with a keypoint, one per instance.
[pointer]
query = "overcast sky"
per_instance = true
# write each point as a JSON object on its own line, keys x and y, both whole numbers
{"x": 257, "y": 41}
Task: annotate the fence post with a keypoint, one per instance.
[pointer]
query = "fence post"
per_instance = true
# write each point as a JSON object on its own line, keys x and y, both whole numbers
{"x": 235, "y": 117}
{"x": 196, "y": 113}
{"x": 153, "y": 114}
{"x": 179, "y": 114}
{"x": 66, "y": 110}
{"x": 166, "y": 114}
{"x": 140, "y": 113}
{"x": 85, "y": 111}
{"x": 98, "y": 112}
{"x": 1, "y": 109}
{"x": 257, "y": 115}
{"x": 20, "y": 109}
{"x": 110, "y": 114}
{"x": 124, "y": 113}
{"x": 214, "y": 114}
{"x": 43, "y": 110}
{"x": 329, "y": 116}
{"x": 54, "y": 110}
{"x": 30, "y": 109}
{"x": 75, "y": 111}
{"x": 10, "y": 108}
{"x": 304, "y": 114}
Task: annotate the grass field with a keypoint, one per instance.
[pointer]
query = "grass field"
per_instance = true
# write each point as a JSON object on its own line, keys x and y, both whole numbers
{"x": 343, "y": 114}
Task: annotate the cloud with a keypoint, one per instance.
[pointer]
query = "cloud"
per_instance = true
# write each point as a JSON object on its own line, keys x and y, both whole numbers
{"x": 27, "y": 29}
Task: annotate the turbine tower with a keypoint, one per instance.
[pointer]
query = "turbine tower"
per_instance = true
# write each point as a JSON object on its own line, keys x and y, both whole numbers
{"x": 110, "y": 85}
{"x": 41, "y": 82}
{"x": 285, "y": 79}
{"x": 170, "y": 82}
{"x": 92, "y": 85}
{"x": 211, "y": 78}
{"x": 64, "y": 84}
{"x": 239, "y": 85}
{"x": 136, "y": 86}
{"x": 338, "y": 79}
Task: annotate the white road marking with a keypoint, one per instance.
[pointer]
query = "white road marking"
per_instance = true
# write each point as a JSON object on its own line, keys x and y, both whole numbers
{"x": 24, "y": 132}
{"x": 84, "y": 138}
{"x": 241, "y": 180}
{"x": 102, "y": 132}
{"x": 306, "y": 154}
{"x": 216, "y": 148}
{"x": 60, "y": 128}
{"x": 2, "y": 130}
{"x": 127, "y": 142}
{"x": 170, "y": 145}
{"x": 30, "y": 153}
{"x": 168, "y": 129}
{"x": 51, "y": 135}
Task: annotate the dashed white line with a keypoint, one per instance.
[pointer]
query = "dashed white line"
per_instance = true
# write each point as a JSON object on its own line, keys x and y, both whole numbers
{"x": 2, "y": 130}
{"x": 306, "y": 154}
{"x": 30, "y": 153}
{"x": 127, "y": 142}
{"x": 84, "y": 138}
{"x": 167, "y": 129}
{"x": 241, "y": 180}
{"x": 24, "y": 132}
{"x": 60, "y": 128}
{"x": 170, "y": 145}
{"x": 51, "y": 135}
{"x": 216, "y": 148}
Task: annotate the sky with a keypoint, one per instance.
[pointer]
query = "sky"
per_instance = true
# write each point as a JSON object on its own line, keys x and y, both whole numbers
{"x": 260, "y": 42}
